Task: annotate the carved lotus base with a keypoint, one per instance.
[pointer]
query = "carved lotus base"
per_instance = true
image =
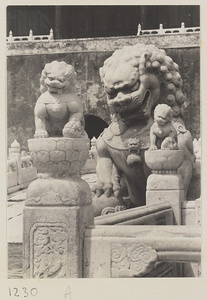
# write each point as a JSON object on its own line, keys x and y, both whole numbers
{"x": 59, "y": 157}
{"x": 164, "y": 161}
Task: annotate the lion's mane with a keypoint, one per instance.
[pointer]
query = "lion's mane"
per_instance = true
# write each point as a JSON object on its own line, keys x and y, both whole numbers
{"x": 148, "y": 59}
{"x": 69, "y": 73}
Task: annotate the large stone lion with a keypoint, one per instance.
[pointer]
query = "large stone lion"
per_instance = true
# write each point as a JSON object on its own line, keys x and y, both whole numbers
{"x": 136, "y": 79}
{"x": 58, "y": 104}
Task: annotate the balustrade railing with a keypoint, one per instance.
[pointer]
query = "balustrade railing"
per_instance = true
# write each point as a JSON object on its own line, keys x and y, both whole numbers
{"x": 20, "y": 169}
{"x": 161, "y": 30}
{"x": 140, "y": 31}
{"x": 30, "y": 37}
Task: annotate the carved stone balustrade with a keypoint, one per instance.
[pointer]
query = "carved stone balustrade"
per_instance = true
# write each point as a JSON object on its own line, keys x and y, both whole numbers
{"x": 136, "y": 251}
{"x": 20, "y": 169}
{"x": 165, "y": 184}
{"x": 57, "y": 209}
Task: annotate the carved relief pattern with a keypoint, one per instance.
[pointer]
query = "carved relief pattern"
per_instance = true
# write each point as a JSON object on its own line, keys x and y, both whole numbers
{"x": 132, "y": 260}
{"x": 50, "y": 250}
{"x": 59, "y": 157}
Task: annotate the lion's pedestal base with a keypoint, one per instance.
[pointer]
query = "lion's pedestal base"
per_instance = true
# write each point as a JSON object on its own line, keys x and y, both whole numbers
{"x": 166, "y": 188}
{"x": 165, "y": 184}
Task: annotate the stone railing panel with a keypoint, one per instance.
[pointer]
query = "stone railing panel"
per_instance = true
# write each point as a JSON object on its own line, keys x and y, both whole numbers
{"x": 11, "y": 173}
{"x": 157, "y": 214}
{"x": 161, "y": 30}
{"x": 30, "y": 37}
{"x": 20, "y": 169}
{"x": 135, "y": 250}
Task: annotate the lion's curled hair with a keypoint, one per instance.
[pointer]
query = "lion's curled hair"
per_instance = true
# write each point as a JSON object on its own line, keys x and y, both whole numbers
{"x": 149, "y": 59}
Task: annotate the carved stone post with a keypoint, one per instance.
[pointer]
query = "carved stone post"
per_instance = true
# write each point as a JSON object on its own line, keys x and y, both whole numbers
{"x": 165, "y": 184}
{"x": 57, "y": 210}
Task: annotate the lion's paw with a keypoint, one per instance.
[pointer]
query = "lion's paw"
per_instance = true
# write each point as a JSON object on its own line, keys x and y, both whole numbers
{"x": 72, "y": 129}
{"x": 103, "y": 188}
{"x": 152, "y": 148}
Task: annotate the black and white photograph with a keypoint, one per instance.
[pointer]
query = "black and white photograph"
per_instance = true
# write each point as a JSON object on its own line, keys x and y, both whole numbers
{"x": 103, "y": 136}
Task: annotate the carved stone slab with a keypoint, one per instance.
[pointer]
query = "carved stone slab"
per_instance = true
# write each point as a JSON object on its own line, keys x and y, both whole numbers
{"x": 53, "y": 240}
{"x": 49, "y": 251}
{"x": 132, "y": 260}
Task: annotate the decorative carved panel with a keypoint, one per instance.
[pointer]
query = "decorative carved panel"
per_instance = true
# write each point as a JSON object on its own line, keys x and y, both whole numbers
{"x": 49, "y": 250}
{"x": 132, "y": 260}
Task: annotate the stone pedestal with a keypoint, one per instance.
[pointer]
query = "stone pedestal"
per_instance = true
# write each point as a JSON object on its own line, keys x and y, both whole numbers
{"x": 162, "y": 188}
{"x": 58, "y": 208}
{"x": 165, "y": 184}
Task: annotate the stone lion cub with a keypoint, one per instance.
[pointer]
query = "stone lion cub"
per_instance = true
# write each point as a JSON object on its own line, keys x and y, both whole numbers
{"x": 163, "y": 134}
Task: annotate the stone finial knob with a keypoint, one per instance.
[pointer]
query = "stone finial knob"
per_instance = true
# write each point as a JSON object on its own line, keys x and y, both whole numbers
{"x": 15, "y": 148}
{"x": 15, "y": 144}
{"x": 161, "y": 29}
{"x": 51, "y": 34}
{"x": 30, "y": 35}
{"x": 139, "y": 29}
{"x": 10, "y": 39}
{"x": 182, "y": 27}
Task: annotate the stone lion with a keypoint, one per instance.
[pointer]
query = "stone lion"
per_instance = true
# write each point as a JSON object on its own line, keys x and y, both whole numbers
{"x": 58, "y": 103}
{"x": 163, "y": 134}
{"x": 136, "y": 79}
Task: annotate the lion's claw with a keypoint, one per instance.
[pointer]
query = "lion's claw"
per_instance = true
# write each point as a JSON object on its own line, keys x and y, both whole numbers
{"x": 41, "y": 134}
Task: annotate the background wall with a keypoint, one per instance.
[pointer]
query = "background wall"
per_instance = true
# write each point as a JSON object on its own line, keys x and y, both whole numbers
{"x": 26, "y": 60}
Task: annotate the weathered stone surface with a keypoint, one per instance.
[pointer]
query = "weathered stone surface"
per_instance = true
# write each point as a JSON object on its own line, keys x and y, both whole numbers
{"x": 103, "y": 44}
{"x": 137, "y": 78}
{"x": 53, "y": 241}
{"x": 58, "y": 102}
{"x": 164, "y": 160}
{"x": 156, "y": 214}
{"x": 174, "y": 197}
{"x": 99, "y": 203}
{"x": 172, "y": 243}
{"x": 20, "y": 170}
{"x": 58, "y": 192}
{"x": 162, "y": 133}
{"x": 11, "y": 179}
{"x": 57, "y": 209}
{"x": 164, "y": 182}
{"x": 132, "y": 260}
{"x": 171, "y": 190}
{"x": 59, "y": 157}
{"x": 188, "y": 213}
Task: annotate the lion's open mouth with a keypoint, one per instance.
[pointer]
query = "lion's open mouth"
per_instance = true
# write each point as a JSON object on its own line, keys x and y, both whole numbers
{"x": 55, "y": 89}
{"x": 140, "y": 111}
